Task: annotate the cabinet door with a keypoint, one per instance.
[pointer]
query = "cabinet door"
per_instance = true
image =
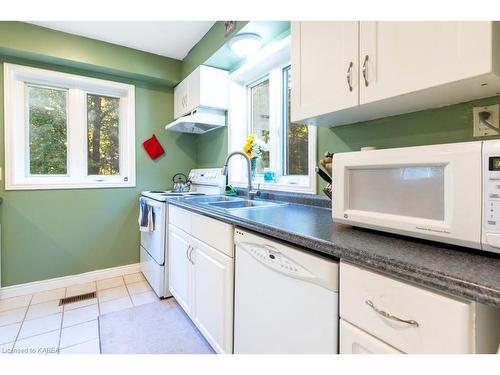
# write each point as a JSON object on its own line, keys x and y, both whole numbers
{"x": 193, "y": 89}
{"x": 355, "y": 341}
{"x": 402, "y": 57}
{"x": 429, "y": 322}
{"x": 180, "y": 99}
{"x": 213, "y": 296}
{"x": 324, "y": 67}
{"x": 179, "y": 267}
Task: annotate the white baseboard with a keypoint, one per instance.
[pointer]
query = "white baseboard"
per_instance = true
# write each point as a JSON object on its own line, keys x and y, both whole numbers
{"x": 65, "y": 281}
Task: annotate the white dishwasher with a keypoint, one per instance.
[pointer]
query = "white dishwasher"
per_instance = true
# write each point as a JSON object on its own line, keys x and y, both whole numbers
{"x": 286, "y": 299}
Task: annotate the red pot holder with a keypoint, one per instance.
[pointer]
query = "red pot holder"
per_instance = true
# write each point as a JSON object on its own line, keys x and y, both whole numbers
{"x": 153, "y": 147}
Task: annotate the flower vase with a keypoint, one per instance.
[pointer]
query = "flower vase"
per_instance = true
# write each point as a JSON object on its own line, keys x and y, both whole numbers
{"x": 253, "y": 167}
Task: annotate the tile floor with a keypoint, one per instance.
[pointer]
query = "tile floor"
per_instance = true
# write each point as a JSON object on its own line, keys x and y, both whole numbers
{"x": 37, "y": 324}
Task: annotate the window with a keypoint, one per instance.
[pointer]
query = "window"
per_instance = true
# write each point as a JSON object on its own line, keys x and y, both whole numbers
{"x": 48, "y": 132}
{"x": 259, "y": 118}
{"x": 67, "y": 131}
{"x": 260, "y": 93}
{"x": 103, "y": 120}
{"x": 296, "y": 139}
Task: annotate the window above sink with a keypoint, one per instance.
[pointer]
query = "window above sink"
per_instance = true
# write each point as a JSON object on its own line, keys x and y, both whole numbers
{"x": 260, "y": 104}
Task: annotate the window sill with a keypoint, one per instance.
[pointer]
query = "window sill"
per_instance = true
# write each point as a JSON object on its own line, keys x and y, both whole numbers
{"x": 93, "y": 185}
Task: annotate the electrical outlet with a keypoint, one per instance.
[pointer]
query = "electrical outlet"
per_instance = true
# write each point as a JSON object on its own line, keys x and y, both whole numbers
{"x": 481, "y": 130}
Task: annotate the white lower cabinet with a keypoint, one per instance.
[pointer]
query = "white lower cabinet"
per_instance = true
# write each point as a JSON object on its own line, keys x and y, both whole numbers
{"x": 413, "y": 319}
{"x": 202, "y": 278}
{"x": 356, "y": 341}
{"x": 213, "y": 296}
{"x": 180, "y": 267}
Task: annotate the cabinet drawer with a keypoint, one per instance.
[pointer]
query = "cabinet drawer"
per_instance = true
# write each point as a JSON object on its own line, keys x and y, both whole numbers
{"x": 441, "y": 324}
{"x": 214, "y": 233}
{"x": 355, "y": 341}
{"x": 180, "y": 218}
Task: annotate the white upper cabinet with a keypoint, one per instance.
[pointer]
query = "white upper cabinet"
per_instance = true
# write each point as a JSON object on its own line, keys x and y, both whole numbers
{"x": 402, "y": 57}
{"x": 325, "y": 67}
{"x": 205, "y": 87}
{"x": 402, "y": 67}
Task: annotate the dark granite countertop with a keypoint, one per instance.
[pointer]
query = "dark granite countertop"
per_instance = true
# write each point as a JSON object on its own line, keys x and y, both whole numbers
{"x": 453, "y": 270}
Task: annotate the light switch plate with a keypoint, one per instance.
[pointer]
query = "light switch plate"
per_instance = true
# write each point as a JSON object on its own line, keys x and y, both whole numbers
{"x": 483, "y": 131}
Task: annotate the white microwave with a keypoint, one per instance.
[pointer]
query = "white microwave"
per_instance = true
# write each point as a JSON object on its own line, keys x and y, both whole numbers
{"x": 448, "y": 193}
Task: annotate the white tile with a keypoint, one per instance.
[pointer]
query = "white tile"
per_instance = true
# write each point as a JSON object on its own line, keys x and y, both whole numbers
{"x": 12, "y": 316}
{"x": 9, "y": 333}
{"x": 48, "y": 295}
{"x": 140, "y": 287}
{"x": 112, "y": 293}
{"x": 115, "y": 305}
{"x": 77, "y": 316}
{"x": 80, "y": 333}
{"x": 75, "y": 290}
{"x": 43, "y": 309}
{"x": 77, "y": 305}
{"x": 40, "y": 325}
{"x": 89, "y": 347}
{"x": 143, "y": 298}
{"x": 133, "y": 278}
{"x": 6, "y": 348}
{"x": 110, "y": 283}
{"x": 40, "y": 344}
{"x": 14, "y": 303}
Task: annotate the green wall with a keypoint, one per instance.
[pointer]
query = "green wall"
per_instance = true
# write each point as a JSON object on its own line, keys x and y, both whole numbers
{"x": 434, "y": 126}
{"x": 52, "y": 233}
{"x": 37, "y": 43}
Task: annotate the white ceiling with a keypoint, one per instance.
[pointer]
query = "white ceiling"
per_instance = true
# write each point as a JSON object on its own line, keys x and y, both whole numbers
{"x": 166, "y": 38}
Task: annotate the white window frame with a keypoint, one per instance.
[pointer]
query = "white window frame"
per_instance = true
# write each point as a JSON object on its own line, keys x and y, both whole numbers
{"x": 268, "y": 64}
{"x": 16, "y": 77}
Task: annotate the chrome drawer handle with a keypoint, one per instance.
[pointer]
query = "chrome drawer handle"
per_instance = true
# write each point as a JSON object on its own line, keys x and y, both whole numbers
{"x": 365, "y": 71}
{"x": 349, "y": 76}
{"x": 189, "y": 250}
{"x": 190, "y": 253}
{"x": 389, "y": 316}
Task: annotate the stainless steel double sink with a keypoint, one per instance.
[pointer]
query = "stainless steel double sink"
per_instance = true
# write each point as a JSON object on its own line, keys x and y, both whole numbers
{"x": 229, "y": 203}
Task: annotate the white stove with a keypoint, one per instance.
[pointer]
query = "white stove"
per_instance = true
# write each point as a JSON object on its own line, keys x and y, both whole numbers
{"x": 205, "y": 181}
{"x": 154, "y": 245}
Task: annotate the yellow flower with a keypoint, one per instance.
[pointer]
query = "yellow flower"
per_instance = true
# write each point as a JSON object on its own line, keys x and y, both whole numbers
{"x": 248, "y": 148}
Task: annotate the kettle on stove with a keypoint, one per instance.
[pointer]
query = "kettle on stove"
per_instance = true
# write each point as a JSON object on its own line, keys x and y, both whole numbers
{"x": 181, "y": 183}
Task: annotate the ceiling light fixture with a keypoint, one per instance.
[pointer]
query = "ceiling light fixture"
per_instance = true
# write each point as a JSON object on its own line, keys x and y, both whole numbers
{"x": 246, "y": 44}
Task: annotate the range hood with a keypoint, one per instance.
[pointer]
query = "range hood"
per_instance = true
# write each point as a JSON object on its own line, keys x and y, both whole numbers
{"x": 201, "y": 120}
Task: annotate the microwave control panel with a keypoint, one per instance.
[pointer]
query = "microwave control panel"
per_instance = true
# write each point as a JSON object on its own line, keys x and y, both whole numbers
{"x": 491, "y": 195}
{"x": 492, "y": 192}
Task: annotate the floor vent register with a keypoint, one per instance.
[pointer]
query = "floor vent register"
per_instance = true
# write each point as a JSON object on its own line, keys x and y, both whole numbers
{"x": 78, "y": 298}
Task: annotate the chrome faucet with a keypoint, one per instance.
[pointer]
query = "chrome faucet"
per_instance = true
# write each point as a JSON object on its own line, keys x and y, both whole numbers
{"x": 251, "y": 192}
